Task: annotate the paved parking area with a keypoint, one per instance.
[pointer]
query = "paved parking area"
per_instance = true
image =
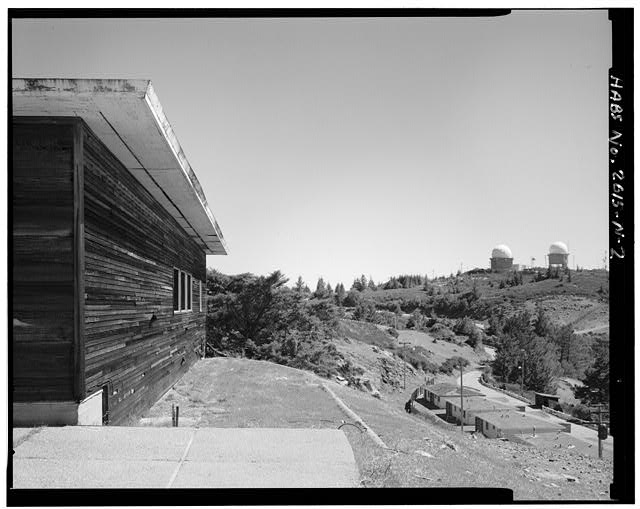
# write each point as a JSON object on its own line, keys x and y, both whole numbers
{"x": 143, "y": 457}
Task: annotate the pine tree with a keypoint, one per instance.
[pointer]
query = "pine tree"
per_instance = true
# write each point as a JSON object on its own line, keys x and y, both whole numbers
{"x": 371, "y": 284}
{"x": 542, "y": 325}
{"x": 329, "y": 291}
{"x": 321, "y": 289}
{"x": 299, "y": 285}
{"x": 340, "y": 294}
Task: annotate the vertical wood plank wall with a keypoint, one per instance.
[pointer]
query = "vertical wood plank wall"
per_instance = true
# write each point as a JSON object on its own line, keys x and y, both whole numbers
{"x": 43, "y": 260}
{"x": 131, "y": 247}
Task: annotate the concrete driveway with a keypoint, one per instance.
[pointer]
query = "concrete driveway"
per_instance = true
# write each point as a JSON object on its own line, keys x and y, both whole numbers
{"x": 142, "y": 457}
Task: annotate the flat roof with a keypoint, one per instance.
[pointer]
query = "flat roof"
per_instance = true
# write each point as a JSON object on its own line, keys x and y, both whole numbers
{"x": 512, "y": 420}
{"x": 127, "y": 117}
{"x": 446, "y": 389}
{"x": 480, "y": 404}
{"x": 544, "y": 395}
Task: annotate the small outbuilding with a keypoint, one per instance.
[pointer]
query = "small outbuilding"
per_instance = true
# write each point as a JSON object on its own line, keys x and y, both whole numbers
{"x": 548, "y": 400}
{"x": 111, "y": 230}
{"x": 472, "y": 406}
{"x": 438, "y": 394}
{"x": 512, "y": 423}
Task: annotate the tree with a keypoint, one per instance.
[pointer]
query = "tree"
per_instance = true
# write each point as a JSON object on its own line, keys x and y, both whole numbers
{"x": 352, "y": 298}
{"x": 365, "y": 311}
{"x": 321, "y": 289}
{"x": 574, "y": 352}
{"x": 371, "y": 285}
{"x": 340, "y": 294}
{"x": 542, "y": 325}
{"x": 542, "y": 366}
{"x": 596, "y": 380}
{"x": 357, "y": 285}
{"x": 299, "y": 285}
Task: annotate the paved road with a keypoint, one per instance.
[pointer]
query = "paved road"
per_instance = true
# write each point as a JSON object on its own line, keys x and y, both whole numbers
{"x": 128, "y": 457}
{"x": 588, "y": 435}
{"x": 592, "y": 329}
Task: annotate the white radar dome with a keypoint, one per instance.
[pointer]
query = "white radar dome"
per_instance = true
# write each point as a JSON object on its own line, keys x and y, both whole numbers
{"x": 558, "y": 248}
{"x": 501, "y": 251}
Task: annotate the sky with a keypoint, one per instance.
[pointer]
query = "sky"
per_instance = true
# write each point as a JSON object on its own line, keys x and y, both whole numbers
{"x": 376, "y": 146}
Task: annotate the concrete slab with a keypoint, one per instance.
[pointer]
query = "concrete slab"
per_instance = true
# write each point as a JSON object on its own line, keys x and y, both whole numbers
{"x": 128, "y": 457}
{"x": 265, "y": 475}
{"x": 270, "y": 444}
{"x": 20, "y": 433}
{"x": 112, "y": 443}
{"x": 36, "y": 473}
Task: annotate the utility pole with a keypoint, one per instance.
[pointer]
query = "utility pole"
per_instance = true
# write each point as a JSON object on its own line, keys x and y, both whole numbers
{"x": 522, "y": 375}
{"x": 602, "y": 430}
{"x": 461, "y": 402}
{"x": 404, "y": 365}
{"x": 599, "y": 433}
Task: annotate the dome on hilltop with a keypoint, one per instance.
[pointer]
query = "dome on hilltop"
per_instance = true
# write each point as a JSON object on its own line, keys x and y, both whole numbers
{"x": 558, "y": 248}
{"x": 501, "y": 251}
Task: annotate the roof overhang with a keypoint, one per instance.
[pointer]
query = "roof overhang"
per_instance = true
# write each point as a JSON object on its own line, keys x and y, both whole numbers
{"x": 127, "y": 116}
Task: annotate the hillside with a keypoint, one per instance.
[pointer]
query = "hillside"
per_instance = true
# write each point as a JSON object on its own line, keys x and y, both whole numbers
{"x": 582, "y": 302}
{"x": 228, "y": 392}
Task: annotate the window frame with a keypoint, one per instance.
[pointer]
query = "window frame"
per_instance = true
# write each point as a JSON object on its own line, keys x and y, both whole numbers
{"x": 187, "y": 298}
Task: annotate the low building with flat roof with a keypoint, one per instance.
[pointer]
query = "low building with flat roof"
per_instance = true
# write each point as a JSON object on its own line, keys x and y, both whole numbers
{"x": 549, "y": 400}
{"x": 439, "y": 394}
{"x": 512, "y": 423}
{"x": 473, "y": 406}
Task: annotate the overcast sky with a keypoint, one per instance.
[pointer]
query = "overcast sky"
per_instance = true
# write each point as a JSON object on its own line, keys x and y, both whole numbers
{"x": 336, "y": 147}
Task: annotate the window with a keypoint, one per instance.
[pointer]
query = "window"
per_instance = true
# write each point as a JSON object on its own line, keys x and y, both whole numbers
{"x": 182, "y": 290}
{"x": 200, "y": 294}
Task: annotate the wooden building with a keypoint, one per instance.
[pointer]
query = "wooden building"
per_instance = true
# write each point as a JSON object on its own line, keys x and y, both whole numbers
{"x": 110, "y": 235}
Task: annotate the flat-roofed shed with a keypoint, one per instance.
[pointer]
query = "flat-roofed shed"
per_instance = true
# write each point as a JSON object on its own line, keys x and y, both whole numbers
{"x": 509, "y": 423}
{"x": 438, "y": 394}
{"x": 111, "y": 229}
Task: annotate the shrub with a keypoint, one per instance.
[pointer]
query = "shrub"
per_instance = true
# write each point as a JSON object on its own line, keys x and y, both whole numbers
{"x": 440, "y": 331}
{"x": 452, "y": 363}
{"x": 464, "y": 326}
{"x": 418, "y": 357}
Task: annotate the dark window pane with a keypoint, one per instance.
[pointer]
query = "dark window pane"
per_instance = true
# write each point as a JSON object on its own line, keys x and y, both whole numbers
{"x": 189, "y": 292}
{"x": 182, "y": 289}
{"x": 175, "y": 289}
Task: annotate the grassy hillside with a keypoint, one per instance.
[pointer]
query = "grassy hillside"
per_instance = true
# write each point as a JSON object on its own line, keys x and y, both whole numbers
{"x": 582, "y": 302}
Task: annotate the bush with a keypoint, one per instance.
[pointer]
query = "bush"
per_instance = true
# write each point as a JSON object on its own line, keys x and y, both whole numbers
{"x": 418, "y": 357}
{"x": 452, "y": 363}
{"x": 440, "y": 331}
{"x": 393, "y": 332}
{"x": 464, "y": 326}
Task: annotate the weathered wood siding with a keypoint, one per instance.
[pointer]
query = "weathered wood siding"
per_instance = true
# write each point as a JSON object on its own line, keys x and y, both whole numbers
{"x": 131, "y": 247}
{"x": 43, "y": 260}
